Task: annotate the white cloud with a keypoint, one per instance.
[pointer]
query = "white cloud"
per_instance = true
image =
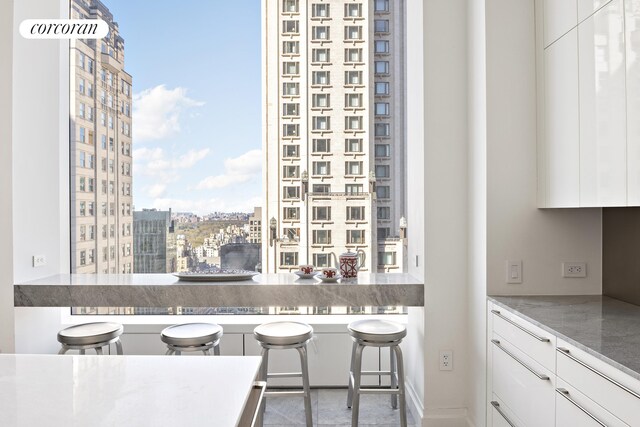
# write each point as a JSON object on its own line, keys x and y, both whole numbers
{"x": 157, "y": 111}
{"x": 238, "y": 170}
{"x": 201, "y": 207}
{"x": 156, "y": 190}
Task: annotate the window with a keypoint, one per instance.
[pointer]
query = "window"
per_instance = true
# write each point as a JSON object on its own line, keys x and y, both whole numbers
{"x": 91, "y": 208}
{"x": 83, "y": 232}
{"x": 320, "y": 33}
{"x": 104, "y": 213}
{"x": 320, "y": 10}
{"x": 383, "y": 233}
{"x": 381, "y": 25}
{"x": 320, "y": 55}
{"x": 290, "y": 151}
{"x": 353, "y": 100}
{"x": 291, "y": 213}
{"x": 90, "y": 65}
{"x": 290, "y": 192}
{"x": 321, "y": 188}
{"x": 353, "y": 77}
{"x": 386, "y": 258}
{"x": 382, "y": 171}
{"x": 320, "y": 78}
{"x": 290, "y": 47}
{"x": 90, "y": 89}
{"x": 321, "y": 260}
{"x": 355, "y": 237}
{"x": 321, "y": 145}
{"x": 321, "y": 168}
{"x": 381, "y": 46}
{"x": 383, "y": 212}
{"x": 353, "y": 10}
{"x": 321, "y": 213}
{"x": 81, "y": 86}
{"x": 381, "y": 67}
{"x": 320, "y": 100}
{"x": 353, "y": 188}
{"x": 83, "y": 159}
{"x": 322, "y": 237}
{"x": 321, "y": 123}
{"x": 353, "y": 145}
{"x": 81, "y": 60}
{"x": 290, "y": 6}
{"x": 383, "y": 150}
{"x": 291, "y": 234}
{"x": 383, "y": 192}
{"x": 289, "y": 109}
{"x": 92, "y": 232}
{"x": 353, "y": 168}
{"x": 353, "y": 55}
{"x": 289, "y": 259}
{"x": 90, "y": 185}
{"x": 352, "y": 32}
{"x": 289, "y": 171}
{"x": 104, "y": 232}
{"x": 382, "y": 129}
{"x": 291, "y": 89}
{"x": 104, "y": 186}
{"x": 83, "y": 208}
{"x": 382, "y": 88}
{"x": 83, "y": 133}
{"x": 290, "y": 27}
{"x": 290, "y": 68}
{"x": 355, "y": 213}
{"x": 290, "y": 130}
{"x": 353, "y": 123}
{"x": 381, "y": 5}
{"x": 382, "y": 108}
{"x": 83, "y": 257}
{"x": 82, "y": 183}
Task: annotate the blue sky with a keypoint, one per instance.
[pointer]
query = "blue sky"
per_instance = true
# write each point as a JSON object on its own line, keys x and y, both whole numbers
{"x": 197, "y": 102}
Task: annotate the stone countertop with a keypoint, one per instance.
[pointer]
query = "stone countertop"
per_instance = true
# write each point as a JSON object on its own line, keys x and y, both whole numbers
{"x": 106, "y": 390}
{"x": 165, "y": 290}
{"x": 607, "y": 328}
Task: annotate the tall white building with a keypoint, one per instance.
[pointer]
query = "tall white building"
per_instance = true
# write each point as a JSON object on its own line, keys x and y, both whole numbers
{"x": 334, "y": 134}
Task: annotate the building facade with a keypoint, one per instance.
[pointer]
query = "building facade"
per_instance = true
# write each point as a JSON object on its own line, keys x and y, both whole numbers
{"x": 334, "y": 133}
{"x": 154, "y": 242}
{"x": 100, "y": 147}
{"x": 255, "y": 226}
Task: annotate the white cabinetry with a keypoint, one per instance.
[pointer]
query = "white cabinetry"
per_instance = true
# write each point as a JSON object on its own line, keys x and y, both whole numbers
{"x": 559, "y": 17}
{"x": 575, "y": 409}
{"x": 632, "y": 47}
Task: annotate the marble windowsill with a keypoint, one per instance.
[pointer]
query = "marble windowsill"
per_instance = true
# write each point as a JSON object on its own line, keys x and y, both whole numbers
{"x": 161, "y": 290}
{"x": 604, "y": 327}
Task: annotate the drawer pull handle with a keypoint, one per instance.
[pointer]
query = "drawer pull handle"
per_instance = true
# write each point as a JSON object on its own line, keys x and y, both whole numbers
{"x": 522, "y": 328}
{"x": 567, "y": 353}
{"x": 565, "y": 393}
{"x": 497, "y": 406}
{"x": 541, "y": 376}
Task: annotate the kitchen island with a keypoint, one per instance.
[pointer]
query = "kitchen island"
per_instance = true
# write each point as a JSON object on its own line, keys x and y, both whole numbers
{"x": 136, "y": 391}
{"x": 161, "y": 290}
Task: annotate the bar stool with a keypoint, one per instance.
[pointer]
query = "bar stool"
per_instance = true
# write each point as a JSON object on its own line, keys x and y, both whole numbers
{"x": 282, "y": 336}
{"x": 90, "y": 336}
{"x": 192, "y": 337}
{"x": 377, "y": 333}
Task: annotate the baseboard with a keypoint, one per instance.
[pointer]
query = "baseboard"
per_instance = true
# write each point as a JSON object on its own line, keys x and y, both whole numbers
{"x": 446, "y": 417}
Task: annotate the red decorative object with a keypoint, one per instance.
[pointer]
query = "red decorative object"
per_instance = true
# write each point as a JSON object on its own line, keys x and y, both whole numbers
{"x": 351, "y": 262}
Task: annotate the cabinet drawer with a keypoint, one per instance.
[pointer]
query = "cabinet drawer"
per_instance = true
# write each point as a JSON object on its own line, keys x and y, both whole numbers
{"x": 533, "y": 341}
{"x": 524, "y": 386}
{"x": 608, "y": 387}
{"x": 501, "y": 415}
{"x": 575, "y": 409}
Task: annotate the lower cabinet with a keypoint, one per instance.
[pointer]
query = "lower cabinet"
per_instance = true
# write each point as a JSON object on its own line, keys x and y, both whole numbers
{"x": 575, "y": 409}
{"x": 500, "y": 415}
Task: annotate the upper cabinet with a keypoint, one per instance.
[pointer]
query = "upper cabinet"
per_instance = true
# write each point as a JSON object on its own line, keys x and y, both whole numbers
{"x": 590, "y": 82}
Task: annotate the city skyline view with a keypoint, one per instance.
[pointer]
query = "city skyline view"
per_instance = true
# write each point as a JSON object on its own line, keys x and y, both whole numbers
{"x": 196, "y": 130}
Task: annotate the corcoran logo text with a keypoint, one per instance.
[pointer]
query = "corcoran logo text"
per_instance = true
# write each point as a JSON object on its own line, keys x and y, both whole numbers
{"x": 64, "y": 28}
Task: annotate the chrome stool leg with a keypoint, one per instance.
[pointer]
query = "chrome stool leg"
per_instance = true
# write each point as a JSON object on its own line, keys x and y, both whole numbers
{"x": 305, "y": 384}
{"x": 98, "y": 350}
{"x": 355, "y": 403}
{"x": 119, "y": 347}
{"x": 63, "y": 350}
{"x": 350, "y": 392}
{"x": 393, "y": 368}
{"x": 216, "y": 350}
{"x": 82, "y": 351}
{"x": 403, "y": 403}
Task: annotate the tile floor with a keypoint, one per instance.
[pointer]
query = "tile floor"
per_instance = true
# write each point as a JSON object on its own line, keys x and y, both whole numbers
{"x": 329, "y": 409}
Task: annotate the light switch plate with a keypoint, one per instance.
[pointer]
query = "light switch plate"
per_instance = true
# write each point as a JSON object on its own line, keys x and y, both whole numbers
{"x": 514, "y": 271}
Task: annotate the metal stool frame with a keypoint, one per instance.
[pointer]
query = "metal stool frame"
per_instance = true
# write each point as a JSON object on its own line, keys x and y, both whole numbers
{"x": 204, "y": 348}
{"x": 396, "y": 371}
{"x": 95, "y": 346}
{"x": 306, "y": 389}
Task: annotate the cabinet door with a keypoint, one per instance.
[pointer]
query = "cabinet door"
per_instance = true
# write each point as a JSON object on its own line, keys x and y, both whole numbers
{"x": 632, "y": 45}
{"x": 560, "y": 16}
{"x": 575, "y": 409}
{"x": 562, "y": 137}
{"x": 603, "y": 145}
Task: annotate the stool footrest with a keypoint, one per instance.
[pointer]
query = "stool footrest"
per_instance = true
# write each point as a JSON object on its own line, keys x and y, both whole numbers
{"x": 378, "y": 391}
{"x": 284, "y": 393}
{"x": 285, "y": 375}
{"x": 376, "y": 373}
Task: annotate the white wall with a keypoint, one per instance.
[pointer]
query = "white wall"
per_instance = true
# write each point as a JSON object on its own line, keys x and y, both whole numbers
{"x": 40, "y": 168}
{"x": 6, "y": 230}
{"x": 516, "y": 229}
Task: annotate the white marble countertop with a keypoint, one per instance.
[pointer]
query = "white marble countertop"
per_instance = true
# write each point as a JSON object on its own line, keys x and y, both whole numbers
{"x": 161, "y": 290}
{"x": 122, "y": 391}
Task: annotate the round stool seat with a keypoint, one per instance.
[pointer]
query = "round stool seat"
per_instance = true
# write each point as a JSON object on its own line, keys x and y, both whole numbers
{"x": 283, "y": 333}
{"x": 90, "y": 333}
{"x": 377, "y": 331}
{"x": 191, "y": 334}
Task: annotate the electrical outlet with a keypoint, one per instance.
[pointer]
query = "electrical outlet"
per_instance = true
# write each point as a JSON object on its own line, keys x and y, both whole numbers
{"x": 514, "y": 271}
{"x": 39, "y": 260}
{"x": 574, "y": 269}
{"x": 446, "y": 360}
